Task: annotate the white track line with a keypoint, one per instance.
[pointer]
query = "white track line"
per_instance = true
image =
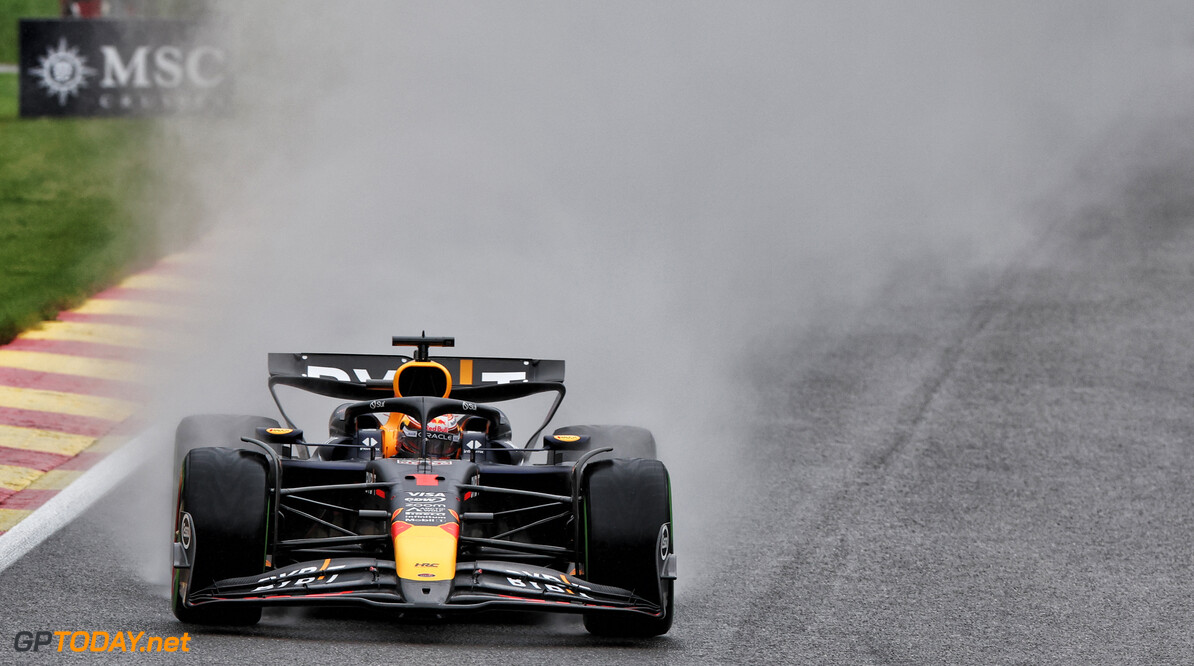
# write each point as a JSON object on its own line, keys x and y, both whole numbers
{"x": 76, "y": 498}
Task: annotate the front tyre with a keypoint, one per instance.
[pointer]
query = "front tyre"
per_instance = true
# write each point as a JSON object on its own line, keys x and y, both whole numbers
{"x": 201, "y": 430}
{"x": 628, "y": 520}
{"x": 222, "y": 526}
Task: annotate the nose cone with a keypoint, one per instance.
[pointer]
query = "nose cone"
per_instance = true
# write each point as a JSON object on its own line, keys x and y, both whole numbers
{"x": 425, "y": 552}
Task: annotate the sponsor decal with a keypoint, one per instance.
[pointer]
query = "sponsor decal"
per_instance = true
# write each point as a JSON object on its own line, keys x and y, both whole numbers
{"x": 62, "y": 71}
{"x": 119, "y": 67}
{"x": 441, "y": 435}
{"x": 279, "y": 431}
{"x": 417, "y": 497}
{"x": 340, "y": 375}
{"x": 448, "y": 422}
{"x": 568, "y": 438}
{"x": 533, "y": 580}
{"x": 503, "y": 377}
{"x": 426, "y": 514}
{"x": 308, "y": 576}
{"x": 98, "y": 641}
{"x": 363, "y": 375}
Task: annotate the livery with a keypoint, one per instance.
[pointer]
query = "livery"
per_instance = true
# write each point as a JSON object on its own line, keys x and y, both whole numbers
{"x": 448, "y": 518}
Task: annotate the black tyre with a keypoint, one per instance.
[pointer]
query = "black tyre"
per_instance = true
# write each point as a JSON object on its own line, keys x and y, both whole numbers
{"x": 216, "y": 430}
{"x": 628, "y": 519}
{"x": 222, "y": 524}
{"x": 627, "y": 441}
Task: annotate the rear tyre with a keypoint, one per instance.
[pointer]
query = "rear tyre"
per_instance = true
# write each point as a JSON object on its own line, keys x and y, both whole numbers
{"x": 216, "y": 430}
{"x": 626, "y": 441}
{"x": 628, "y": 519}
{"x": 222, "y": 525}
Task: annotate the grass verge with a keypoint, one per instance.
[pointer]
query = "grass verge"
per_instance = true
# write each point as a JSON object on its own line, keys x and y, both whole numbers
{"x": 10, "y": 12}
{"x": 68, "y": 220}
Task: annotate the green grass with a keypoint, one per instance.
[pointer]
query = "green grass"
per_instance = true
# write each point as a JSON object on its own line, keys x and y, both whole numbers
{"x": 72, "y": 220}
{"x": 8, "y": 96}
{"x": 10, "y": 11}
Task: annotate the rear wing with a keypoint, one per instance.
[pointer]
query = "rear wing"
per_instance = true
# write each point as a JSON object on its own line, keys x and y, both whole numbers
{"x": 361, "y": 377}
{"x": 369, "y": 376}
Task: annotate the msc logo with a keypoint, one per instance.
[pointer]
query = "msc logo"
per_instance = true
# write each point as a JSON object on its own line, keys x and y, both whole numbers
{"x": 62, "y": 71}
{"x": 170, "y": 67}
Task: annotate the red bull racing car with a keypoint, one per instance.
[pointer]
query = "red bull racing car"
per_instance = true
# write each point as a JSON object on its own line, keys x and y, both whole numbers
{"x": 420, "y": 502}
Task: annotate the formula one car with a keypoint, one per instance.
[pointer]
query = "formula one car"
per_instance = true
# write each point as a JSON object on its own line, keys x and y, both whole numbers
{"x": 419, "y": 502}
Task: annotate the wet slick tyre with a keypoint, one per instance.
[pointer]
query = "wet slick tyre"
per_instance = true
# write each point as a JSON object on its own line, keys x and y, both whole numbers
{"x": 216, "y": 430}
{"x": 628, "y": 516}
{"x": 221, "y": 525}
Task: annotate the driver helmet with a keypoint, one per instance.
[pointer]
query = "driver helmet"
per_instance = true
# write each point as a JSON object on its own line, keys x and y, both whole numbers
{"x": 444, "y": 435}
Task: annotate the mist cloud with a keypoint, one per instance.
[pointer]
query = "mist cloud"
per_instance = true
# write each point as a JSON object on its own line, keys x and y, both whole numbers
{"x": 648, "y": 190}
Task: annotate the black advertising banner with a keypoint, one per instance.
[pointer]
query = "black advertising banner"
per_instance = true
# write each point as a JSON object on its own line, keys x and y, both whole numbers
{"x": 102, "y": 67}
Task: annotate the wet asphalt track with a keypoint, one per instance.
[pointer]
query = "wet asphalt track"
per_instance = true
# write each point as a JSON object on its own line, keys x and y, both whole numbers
{"x": 989, "y": 472}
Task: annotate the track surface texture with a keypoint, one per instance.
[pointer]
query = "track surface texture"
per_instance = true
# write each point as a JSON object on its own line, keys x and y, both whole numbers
{"x": 994, "y": 471}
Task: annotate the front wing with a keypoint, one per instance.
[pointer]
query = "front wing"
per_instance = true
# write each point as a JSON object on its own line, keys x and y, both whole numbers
{"x": 480, "y": 585}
